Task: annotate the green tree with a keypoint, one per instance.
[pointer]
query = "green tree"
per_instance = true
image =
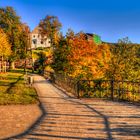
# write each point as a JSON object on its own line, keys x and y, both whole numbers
{"x": 25, "y": 48}
{"x": 50, "y": 28}
{"x": 137, "y": 62}
{"x": 60, "y": 63}
{"x": 123, "y": 61}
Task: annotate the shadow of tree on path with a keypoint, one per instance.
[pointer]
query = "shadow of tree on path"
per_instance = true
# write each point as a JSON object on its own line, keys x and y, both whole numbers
{"x": 49, "y": 123}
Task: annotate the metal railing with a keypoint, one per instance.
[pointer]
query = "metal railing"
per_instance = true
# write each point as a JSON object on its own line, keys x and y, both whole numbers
{"x": 114, "y": 90}
{"x": 109, "y": 89}
{"x": 68, "y": 83}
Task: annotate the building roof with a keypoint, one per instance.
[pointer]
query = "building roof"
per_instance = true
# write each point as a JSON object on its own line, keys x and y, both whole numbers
{"x": 90, "y": 34}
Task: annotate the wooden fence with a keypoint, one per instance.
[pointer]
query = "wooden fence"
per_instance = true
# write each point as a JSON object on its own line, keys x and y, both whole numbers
{"x": 4, "y": 66}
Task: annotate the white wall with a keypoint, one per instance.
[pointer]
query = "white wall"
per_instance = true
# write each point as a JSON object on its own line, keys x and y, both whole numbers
{"x": 36, "y": 41}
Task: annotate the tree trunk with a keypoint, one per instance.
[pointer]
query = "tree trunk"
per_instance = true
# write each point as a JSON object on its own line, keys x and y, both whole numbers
{"x": 2, "y": 64}
{"x": 12, "y": 65}
{"x": 0, "y": 67}
{"x": 32, "y": 62}
{"x": 25, "y": 64}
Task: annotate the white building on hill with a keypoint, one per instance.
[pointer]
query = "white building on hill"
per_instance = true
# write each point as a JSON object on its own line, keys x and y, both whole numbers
{"x": 37, "y": 41}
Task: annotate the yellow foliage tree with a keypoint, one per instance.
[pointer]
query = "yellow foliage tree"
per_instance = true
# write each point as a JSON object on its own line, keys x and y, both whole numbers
{"x": 5, "y": 47}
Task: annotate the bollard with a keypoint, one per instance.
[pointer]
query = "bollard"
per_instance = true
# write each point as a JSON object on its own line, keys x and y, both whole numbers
{"x": 30, "y": 78}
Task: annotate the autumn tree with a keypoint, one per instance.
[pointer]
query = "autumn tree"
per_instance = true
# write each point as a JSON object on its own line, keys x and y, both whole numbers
{"x": 5, "y": 47}
{"x": 50, "y": 28}
{"x": 82, "y": 59}
{"x": 13, "y": 27}
{"x": 124, "y": 64}
{"x": 25, "y": 49}
{"x": 137, "y": 64}
{"x": 87, "y": 59}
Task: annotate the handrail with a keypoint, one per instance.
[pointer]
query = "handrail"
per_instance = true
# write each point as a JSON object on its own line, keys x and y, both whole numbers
{"x": 110, "y": 89}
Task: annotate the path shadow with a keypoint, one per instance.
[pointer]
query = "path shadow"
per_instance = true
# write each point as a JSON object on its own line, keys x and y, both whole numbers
{"x": 13, "y": 84}
{"x": 48, "y": 121}
{"x": 17, "y": 71}
{"x": 104, "y": 117}
{"x": 123, "y": 130}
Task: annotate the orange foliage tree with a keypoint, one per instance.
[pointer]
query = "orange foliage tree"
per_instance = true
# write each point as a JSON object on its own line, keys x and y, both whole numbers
{"x": 87, "y": 60}
{"x": 84, "y": 59}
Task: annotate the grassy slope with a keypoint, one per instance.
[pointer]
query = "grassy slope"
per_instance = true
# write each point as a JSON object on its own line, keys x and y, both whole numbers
{"x": 13, "y": 89}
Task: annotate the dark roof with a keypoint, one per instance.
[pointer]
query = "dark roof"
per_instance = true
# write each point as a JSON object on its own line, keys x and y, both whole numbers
{"x": 90, "y": 34}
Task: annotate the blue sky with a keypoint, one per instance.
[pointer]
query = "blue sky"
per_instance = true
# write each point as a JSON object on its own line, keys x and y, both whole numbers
{"x": 111, "y": 19}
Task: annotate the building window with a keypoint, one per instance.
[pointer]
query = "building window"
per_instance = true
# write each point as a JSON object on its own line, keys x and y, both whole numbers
{"x": 41, "y": 42}
{"x": 33, "y": 36}
{"x": 34, "y": 41}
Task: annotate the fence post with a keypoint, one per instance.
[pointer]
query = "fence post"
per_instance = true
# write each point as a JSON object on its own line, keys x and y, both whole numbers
{"x": 112, "y": 89}
{"x": 0, "y": 67}
{"x": 78, "y": 96}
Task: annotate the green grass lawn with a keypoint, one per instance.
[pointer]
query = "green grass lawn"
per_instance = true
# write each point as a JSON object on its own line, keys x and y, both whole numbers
{"x": 13, "y": 89}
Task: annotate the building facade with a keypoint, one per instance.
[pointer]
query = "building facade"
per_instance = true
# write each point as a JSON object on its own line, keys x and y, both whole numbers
{"x": 94, "y": 37}
{"x": 37, "y": 41}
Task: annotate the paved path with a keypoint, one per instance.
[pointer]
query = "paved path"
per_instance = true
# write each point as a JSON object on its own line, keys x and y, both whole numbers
{"x": 66, "y": 118}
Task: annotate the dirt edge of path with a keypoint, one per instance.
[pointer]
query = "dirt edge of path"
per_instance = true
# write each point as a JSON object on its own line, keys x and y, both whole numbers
{"x": 16, "y": 120}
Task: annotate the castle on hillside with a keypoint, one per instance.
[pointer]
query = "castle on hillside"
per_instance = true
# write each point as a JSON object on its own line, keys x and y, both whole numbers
{"x": 37, "y": 41}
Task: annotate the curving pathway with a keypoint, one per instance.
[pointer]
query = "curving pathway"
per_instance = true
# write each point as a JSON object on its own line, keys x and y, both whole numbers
{"x": 67, "y": 118}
